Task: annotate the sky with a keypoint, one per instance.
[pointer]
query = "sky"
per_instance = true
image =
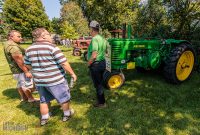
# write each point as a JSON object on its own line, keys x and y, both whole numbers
{"x": 52, "y": 8}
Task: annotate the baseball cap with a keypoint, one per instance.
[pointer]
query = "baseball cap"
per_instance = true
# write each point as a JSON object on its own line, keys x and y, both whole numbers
{"x": 94, "y": 24}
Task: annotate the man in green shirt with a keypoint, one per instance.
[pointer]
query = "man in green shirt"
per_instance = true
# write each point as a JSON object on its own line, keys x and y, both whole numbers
{"x": 96, "y": 61}
{"x": 14, "y": 55}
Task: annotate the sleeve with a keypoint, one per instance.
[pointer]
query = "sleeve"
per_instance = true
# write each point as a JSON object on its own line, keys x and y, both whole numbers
{"x": 14, "y": 50}
{"x": 94, "y": 45}
{"x": 59, "y": 56}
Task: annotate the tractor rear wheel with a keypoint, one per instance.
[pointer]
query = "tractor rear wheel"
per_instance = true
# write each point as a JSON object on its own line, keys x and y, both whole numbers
{"x": 113, "y": 80}
{"x": 77, "y": 52}
{"x": 180, "y": 63}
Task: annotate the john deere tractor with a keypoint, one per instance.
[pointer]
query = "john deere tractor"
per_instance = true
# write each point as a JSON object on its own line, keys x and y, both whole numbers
{"x": 176, "y": 56}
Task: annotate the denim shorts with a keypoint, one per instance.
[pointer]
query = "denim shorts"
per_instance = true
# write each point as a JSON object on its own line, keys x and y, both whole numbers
{"x": 60, "y": 92}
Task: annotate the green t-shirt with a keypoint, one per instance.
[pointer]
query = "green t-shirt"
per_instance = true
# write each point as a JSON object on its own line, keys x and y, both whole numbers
{"x": 11, "y": 48}
{"x": 97, "y": 44}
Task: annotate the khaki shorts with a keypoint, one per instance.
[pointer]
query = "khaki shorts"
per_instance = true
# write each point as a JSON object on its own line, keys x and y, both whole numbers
{"x": 23, "y": 82}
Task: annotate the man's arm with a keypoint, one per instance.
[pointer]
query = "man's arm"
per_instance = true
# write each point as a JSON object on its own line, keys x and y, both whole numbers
{"x": 28, "y": 66}
{"x": 62, "y": 61}
{"x": 19, "y": 60}
{"x": 66, "y": 66}
{"x": 93, "y": 58}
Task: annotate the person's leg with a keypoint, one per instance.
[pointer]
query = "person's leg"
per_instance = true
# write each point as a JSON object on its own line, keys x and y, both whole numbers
{"x": 44, "y": 109}
{"x": 19, "y": 88}
{"x": 68, "y": 112}
{"x": 62, "y": 95}
{"x": 29, "y": 95}
{"x": 65, "y": 106}
{"x": 26, "y": 88}
{"x": 23, "y": 97}
{"x": 45, "y": 98}
{"x": 96, "y": 75}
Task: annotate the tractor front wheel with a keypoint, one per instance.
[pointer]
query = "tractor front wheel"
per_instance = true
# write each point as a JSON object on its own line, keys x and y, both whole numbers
{"x": 180, "y": 63}
{"x": 113, "y": 80}
{"x": 77, "y": 52}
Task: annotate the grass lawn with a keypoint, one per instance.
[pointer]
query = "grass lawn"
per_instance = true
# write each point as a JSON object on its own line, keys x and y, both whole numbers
{"x": 145, "y": 105}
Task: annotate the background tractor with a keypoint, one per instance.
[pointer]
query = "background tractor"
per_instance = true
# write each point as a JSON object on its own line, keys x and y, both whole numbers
{"x": 80, "y": 46}
{"x": 176, "y": 57}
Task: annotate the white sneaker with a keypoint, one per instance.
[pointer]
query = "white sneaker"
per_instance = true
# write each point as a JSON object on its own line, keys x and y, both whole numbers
{"x": 66, "y": 118}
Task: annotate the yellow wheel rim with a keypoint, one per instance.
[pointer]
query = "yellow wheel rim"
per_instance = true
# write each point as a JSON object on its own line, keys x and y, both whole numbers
{"x": 115, "y": 81}
{"x": 185, "y": 65}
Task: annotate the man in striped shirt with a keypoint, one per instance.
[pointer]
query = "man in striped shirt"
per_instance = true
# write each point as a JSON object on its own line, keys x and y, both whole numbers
{"x": 48, "y": 66}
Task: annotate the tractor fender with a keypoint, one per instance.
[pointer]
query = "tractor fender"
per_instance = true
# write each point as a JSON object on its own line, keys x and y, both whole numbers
{"x": 177, "y": 42}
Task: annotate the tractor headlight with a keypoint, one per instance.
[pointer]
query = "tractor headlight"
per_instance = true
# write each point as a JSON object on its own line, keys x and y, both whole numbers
{"x": 123, "y": 61}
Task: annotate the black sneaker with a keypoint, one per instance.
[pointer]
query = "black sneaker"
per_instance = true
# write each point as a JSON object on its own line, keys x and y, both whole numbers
{"x": 43, "y": 122}
{"x": 66, "y": 118}
{"x": 98, "y": 105}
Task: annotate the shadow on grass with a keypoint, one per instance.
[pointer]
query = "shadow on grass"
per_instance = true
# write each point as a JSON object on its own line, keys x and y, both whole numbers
{"x": 11, "y": 93}
{"x": 6, "y": 74}
{"x": 146, "y": 104}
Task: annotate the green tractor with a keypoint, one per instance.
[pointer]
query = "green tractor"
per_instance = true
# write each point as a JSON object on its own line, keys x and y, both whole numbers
{"x": 177, "y": 58}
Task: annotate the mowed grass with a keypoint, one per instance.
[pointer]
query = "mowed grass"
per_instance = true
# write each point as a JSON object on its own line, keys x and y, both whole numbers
{"x": 145, "y": 105}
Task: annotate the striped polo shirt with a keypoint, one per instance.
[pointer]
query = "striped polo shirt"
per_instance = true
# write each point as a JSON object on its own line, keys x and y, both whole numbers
{"x": 45, "y": 59}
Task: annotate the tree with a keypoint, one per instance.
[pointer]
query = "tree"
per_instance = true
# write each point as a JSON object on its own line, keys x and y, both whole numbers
{"x": 72, "y": 13}
{"x": 110, "y": 14}
{"x": 62, "y": 2}
{"x": 184, "y": 17}
{"x": 151, "y": 20}
{"x": 55, "y": 23}
{"x": 25, "y": 15}
{"x": 67, "y": 31}
{"x": 1, "y": 4}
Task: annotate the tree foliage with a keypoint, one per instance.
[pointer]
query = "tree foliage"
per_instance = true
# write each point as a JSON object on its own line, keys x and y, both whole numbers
{"x": 183, "y": 17}
{"x": 55, "y": 23}
{"x": 110, "y": 13}
{"x": 178, "y": 19}
{"x": 1, "y": 3}
{"x": 72, "y": 13}
{"x": 67, "y": 31}
{"x": 25, "y": 15}
{"x": 151, "y": 19}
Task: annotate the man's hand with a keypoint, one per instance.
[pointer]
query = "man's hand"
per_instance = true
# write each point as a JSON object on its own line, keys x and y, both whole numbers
{"x": 93, "y": 58}
{"x": 74, "y": 77}
{"x": 89, "y": 63}
{"x": 28, "y": 75}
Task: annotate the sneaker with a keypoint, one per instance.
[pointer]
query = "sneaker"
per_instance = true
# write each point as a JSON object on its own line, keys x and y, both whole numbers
{"x": 43, "y": 122}
{"x": 66, "y": 118}
{"x": 100, "y": 105}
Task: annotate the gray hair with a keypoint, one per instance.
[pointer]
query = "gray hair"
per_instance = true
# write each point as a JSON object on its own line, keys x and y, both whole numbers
{"x": 11, "y": 33}
{"x": 37, "y": 33}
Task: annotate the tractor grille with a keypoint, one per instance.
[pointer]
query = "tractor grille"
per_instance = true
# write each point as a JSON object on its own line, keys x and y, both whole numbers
{"x": 116, "y": 51}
